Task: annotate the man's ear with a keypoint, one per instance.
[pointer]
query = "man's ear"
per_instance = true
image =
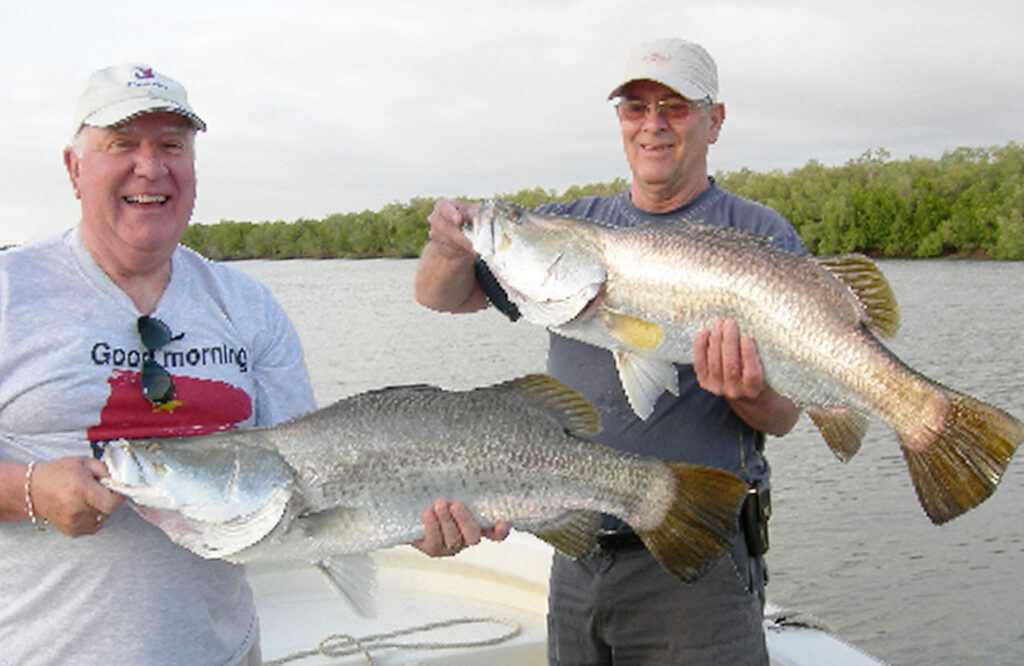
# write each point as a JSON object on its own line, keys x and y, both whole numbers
{"x": 71, "y": 162}
{"x": 717, "y": 119}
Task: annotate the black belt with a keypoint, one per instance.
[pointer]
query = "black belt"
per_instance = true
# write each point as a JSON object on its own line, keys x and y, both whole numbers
{"x": 613, "y": 541}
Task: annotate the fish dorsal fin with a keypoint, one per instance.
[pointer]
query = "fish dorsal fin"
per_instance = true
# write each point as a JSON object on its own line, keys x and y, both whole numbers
{"x": 867, "y": 282}
{"x": 644, "y": 380}
{"x": 633, "y": 331}
{"x": 574, "y": 533}
{"x": 570, "y": 408}
{"x": 843, "y": 429}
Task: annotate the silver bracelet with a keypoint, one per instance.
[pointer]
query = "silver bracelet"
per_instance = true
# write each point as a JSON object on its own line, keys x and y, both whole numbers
{"x": 40, "y": 525}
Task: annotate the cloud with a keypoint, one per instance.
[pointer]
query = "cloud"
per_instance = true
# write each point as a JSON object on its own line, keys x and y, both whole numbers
{"x": 318, "y": 107}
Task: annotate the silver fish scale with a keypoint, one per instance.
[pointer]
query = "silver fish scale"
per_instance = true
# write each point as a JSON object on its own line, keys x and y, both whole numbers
{"x": 684, "y": 277}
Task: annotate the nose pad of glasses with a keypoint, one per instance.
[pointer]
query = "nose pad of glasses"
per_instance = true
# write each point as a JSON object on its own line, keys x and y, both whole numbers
{"x": 157, "y": 385}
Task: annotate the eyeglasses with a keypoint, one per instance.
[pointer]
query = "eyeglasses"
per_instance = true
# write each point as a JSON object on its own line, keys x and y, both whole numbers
{"x": 157, "y": 384}
{"x": 674, "y": 109}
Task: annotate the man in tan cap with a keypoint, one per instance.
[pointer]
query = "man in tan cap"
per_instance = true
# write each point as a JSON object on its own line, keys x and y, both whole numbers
{"x": 618, "y": 606}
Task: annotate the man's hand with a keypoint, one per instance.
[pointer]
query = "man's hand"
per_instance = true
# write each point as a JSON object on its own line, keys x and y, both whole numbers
{"x": 727, "y": 364}
{"x": 66, "y": 493}
{"x": 448, "y": 527}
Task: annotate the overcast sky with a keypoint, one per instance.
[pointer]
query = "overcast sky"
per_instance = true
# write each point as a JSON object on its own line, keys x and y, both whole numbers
{"x": 320, "y": 106}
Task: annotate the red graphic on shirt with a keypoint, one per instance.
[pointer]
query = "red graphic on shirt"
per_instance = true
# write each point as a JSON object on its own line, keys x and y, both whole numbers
{"x": 200, "y": 406}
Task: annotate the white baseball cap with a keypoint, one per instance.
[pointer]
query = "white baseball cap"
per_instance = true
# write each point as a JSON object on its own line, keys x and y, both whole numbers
{"x": 115, "y": 95}
{"x": 683, "y": 66}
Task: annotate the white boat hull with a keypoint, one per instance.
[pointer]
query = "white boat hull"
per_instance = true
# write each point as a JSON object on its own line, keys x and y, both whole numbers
{"x": 493, "y": 596}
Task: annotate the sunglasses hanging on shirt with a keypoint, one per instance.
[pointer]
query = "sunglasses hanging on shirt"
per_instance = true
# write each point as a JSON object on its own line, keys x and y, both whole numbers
{"x": 157, "y": 384}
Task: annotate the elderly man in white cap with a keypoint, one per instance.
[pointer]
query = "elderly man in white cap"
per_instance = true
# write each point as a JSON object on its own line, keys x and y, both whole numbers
{"x": 618, "y": 606}
{"x": 95, "y": 324}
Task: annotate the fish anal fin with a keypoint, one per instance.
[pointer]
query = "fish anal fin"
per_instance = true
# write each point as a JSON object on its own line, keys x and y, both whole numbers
{"x": 843, "y": 429}
{"x": 644, "y": 380}
{"x": 633, "y": 331}
{"x": 962, "y": 463}
{"x": 700, "y": 525}
{"x": 574, "y": 533}
{"x": 872, "y": 289}
{"x": 354, "y": 577}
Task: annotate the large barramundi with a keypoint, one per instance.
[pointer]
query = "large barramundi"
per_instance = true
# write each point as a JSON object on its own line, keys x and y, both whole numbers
{"x": 644, "y": 293}
{"x": 355, "y": 477}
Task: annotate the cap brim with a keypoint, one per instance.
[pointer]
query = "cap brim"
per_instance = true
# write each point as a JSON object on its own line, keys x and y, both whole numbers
{"x": 122, "y": 112}
{"x": 684, "y": 88}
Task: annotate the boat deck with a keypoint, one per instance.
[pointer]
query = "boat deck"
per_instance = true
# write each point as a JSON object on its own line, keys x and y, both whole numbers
{"x": 487, "y": 606}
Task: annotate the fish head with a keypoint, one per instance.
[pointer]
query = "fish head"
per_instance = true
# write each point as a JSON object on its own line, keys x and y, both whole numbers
{"x": 212, "y": 497}
{"x": 547, "y": 266}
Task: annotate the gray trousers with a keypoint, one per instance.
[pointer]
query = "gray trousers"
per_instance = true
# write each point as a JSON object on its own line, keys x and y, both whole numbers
{"x": 622, "y": 608}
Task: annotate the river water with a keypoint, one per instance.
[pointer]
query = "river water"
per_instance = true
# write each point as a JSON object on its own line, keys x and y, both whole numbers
{"x": 849, "y": 543}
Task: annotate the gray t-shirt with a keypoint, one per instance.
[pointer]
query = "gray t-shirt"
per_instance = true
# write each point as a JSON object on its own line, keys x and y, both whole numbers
{"x": 70, "y": 356}
{"x": 696, "y": 426}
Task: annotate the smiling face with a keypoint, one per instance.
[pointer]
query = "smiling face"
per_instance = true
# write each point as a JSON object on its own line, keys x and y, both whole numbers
{"x": 668, "y": 158}
{"x": 137, "y": 185}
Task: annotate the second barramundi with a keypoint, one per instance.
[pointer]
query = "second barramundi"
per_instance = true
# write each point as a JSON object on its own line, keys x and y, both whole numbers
{"x": 646, "y": 292}
{"x": 355, "y": 477}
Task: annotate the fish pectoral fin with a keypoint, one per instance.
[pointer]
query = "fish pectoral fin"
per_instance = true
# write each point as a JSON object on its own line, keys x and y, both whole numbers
{"x": 355, "y": 579}
{"x": 644, "y": 380}
{"x": 574, "y": 533}
{"x": 843, "y": 429}
{"x": 633, "y": 331}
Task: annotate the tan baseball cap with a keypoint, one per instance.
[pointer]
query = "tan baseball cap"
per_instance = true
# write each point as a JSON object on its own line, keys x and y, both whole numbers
{"x": 681, "y": 65}
{"x": 115, "y": 95}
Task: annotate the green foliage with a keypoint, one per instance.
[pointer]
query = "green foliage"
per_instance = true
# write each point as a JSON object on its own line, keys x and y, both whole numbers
{"x": 970, "y": 201}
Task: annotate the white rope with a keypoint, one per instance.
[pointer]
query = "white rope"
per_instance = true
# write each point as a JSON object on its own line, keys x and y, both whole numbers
{"x": 343, "y": 645}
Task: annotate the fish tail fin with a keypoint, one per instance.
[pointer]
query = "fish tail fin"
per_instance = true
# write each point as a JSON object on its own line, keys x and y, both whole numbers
{"x": 843, "y": 429}
{"x": 957, "y": 465}
{"x": 701, "y": 523}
